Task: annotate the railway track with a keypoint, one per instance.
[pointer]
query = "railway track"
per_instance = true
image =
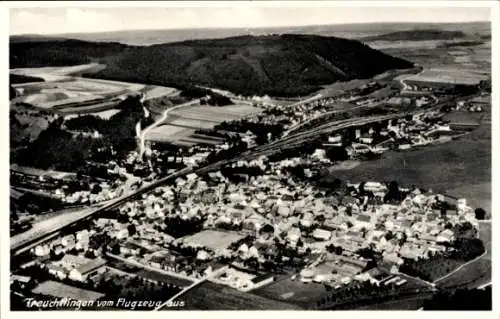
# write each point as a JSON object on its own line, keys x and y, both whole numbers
{"x": 287, "y": 142}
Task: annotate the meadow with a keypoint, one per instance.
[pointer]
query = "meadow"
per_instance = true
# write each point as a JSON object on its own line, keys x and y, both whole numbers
{"x": 182, "y": 123}
{"x": 461, "y": 168}
{"x": 211, "y": 296}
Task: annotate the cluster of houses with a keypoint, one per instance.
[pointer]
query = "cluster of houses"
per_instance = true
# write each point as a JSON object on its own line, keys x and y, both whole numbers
{"x": 267, "y": 208}
{"x": 420, "y": 130}
{"x": 303, "y": 218}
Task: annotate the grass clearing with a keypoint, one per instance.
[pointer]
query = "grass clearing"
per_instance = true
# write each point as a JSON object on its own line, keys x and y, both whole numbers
{"x": 183, "y": 122}
{"x": 211, "y": 296}
{"x": 213, "y": 239}
{"x": 444, "y": 168}
{"x": 292, "y": 291}
{"x": 410, "y": 303}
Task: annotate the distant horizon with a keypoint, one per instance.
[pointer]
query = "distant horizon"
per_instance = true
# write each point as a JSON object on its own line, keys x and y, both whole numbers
{"x": 249, "y": 28}
{"x": 71, "y": 20}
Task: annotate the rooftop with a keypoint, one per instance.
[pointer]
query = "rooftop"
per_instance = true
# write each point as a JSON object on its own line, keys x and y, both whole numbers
{"x": 59, "y": 290}
{"x": 92, "y": 265}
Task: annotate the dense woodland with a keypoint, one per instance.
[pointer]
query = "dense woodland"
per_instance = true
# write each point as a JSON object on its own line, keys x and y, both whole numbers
{"x": 59, "y": 149}
{"x": 278, "y": 65}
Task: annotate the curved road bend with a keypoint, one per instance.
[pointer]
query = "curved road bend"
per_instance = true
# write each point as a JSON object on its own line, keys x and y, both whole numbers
{"x": 160, "y": 121}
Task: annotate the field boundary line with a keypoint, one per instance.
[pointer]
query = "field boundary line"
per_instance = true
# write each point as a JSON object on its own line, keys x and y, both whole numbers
{"x": 460, "y": 267}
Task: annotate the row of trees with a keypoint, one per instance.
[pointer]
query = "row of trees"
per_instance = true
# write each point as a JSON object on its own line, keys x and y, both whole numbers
{"x": 179, "y": 227}
{"x": 356, "y": 294}
{"x": 439, "y": 264}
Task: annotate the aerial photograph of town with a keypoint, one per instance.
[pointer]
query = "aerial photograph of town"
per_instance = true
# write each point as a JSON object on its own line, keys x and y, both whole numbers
{"x": 286, "y": 157}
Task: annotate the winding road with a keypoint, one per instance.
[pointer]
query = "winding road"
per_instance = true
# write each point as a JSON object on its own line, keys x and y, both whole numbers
{"x": 163, "y": 118}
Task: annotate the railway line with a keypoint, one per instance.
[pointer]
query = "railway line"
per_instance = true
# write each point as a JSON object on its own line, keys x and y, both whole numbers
{"x": 287, "y": 142}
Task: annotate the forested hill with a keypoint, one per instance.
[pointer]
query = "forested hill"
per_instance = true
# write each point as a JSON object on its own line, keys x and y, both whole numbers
{"x": 282, "y": 65}
{"x": 32, "y": 52}
{"x": 416, "y": 35}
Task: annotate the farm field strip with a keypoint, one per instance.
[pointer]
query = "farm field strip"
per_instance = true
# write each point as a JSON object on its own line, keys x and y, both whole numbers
{"x": 195, "y": 124}
{"x": 194, "y": 140}
{"x": 167, "y": 132}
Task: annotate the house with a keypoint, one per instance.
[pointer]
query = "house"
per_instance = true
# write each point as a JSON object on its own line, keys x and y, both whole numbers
{"x": 42, "y": 250}
{"x": 366, "y": 140}
{"x": 363, "y": 221}
{"x": 128, "y": 248}
{"x": 446, "y": 235}
{"x": 321, "y": 234}
{"x": 409, "y": 252}
{"x": 335, "y": 139}
{"x": 22, "y": 281}
{"x": 83, "y": 236}
{"x": 88, "y": 270}
{"x": 57, "y": 271}
{"x": 428, "y": 238}
{"x": 480, "y": 102}
{"x": 375, "y": 236}
{"x": 354, "y": 234}
{"x": 392, "y": 258}
{"x": 283, "y": 211}
{"x": 68, "y": 241}
{"x": 293, "y": 234}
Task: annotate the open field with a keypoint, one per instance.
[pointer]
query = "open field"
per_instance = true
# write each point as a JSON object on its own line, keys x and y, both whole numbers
{"x": 471, "y": 58}
{"x": 463, "y": 117}
{"x": 293, "y": 291}
{"x": 413, "y": 302}
{"x": 444, "y": 168}
{"x": 211, "y": 296}
{"x": 52, "y": 94}
{"x": 217, "y": 113}
{"x": 64, "y": 211}
{"x": 183, "y": 122}
{"x": 449, "y": 75}
{"x": 63, "y": 89}
{"x": 168, "y": 133}
{"x": 215, "y": 240}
